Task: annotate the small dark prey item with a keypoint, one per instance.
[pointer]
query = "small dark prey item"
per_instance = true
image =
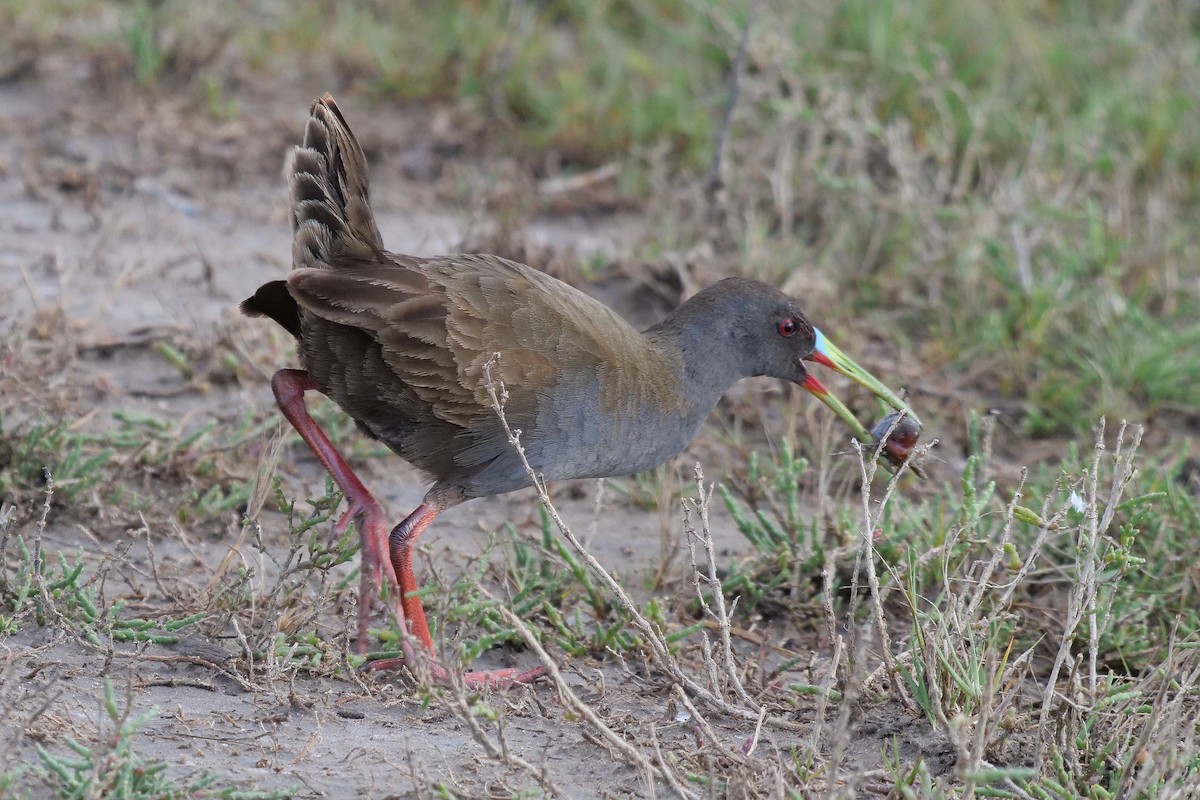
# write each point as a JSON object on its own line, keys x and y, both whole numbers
{"x": 902, "y": 433}
{"x": 400, "y": 342}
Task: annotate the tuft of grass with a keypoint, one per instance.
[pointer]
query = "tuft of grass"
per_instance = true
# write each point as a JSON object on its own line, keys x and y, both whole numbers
{"x": 768, "y": 510}
{"x": 86, "y": 463}
{"x": 112, "y": 768}
{"x": 279, "y": 613}
{"x": 545, "y": 583}
{"x": 72, "y": 457}
{"x": 143, "y": 35}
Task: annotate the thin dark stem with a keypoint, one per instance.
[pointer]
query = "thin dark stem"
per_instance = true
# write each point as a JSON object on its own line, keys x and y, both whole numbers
{"x": 714, "y": 183}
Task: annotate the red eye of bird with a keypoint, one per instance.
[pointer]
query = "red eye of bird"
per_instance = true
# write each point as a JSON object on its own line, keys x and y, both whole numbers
{"x": 787, "y": 327}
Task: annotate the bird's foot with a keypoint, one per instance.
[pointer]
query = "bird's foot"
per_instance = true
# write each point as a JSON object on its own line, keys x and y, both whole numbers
{"x": 376, "y": 566}
{"x": 480, "y": 679}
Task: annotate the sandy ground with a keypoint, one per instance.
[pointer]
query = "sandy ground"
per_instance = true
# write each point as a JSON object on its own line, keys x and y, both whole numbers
{"x": 129, "y": 224}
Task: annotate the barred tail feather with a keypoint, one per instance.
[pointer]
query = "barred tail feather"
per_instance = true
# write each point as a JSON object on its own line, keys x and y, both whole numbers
{"x": 332, "y": 221}
{"x": 331, "y": 208}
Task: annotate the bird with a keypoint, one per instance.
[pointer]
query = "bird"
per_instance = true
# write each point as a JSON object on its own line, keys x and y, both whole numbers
{"x": 400, "y": 343}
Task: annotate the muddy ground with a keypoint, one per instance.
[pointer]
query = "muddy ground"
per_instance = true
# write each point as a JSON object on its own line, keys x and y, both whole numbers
{"x": 132, "y": 221}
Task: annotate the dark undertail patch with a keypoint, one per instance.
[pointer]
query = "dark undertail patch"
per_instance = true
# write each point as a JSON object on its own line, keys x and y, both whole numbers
{"x": 275, "y": 301}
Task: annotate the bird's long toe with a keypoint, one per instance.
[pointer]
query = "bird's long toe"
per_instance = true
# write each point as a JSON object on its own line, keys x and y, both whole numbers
{"x": 376, "y": 563}
{"x": 500, "y": 678}
{"x": 479, "y": 679}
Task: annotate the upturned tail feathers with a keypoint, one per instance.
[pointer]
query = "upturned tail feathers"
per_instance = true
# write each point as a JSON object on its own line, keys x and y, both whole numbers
{"x": 331, "y": 209}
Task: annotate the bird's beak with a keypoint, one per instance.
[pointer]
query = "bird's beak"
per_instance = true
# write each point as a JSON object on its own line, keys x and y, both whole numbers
{"x": 828, "y": 355}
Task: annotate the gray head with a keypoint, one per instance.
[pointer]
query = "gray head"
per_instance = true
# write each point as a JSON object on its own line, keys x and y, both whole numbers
{"x": 741, "y": 328}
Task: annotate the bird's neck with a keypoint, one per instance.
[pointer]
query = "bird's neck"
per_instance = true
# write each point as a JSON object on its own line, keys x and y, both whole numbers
{"x": 710, "y": 365}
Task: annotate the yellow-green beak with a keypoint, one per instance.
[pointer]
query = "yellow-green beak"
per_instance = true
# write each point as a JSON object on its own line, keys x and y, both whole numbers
{"x": 830, "y": 356}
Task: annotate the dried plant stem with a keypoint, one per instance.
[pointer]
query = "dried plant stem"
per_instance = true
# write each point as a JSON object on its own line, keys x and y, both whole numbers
{"x": 1171, "y": 726}
{"x": 198, "y": 661}
{"x": 715, "y": 182}
{"x": 1083, "y": 605}
{"x": 497, "y": 750}
{"x": 866, "y": 560}
{"x": 38, "y": 553}
{"x": 667, "y": 773}
{"x": 719, "y": 614}
{"x": 632, "y": 755}
{"x": 984, "y": 584}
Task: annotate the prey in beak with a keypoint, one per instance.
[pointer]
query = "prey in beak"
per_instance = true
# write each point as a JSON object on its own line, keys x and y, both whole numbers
{"x": 898, "y": 430}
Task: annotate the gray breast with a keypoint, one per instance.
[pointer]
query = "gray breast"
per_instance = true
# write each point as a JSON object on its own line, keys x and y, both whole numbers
{"x": 575, "y": 436}
{"x": 578, "y": 437}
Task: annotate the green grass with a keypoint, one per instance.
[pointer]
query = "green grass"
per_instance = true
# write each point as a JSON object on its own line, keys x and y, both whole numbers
{"x": 83, "y": 462}
{"x": 976, "y": 589}
{"x": 589, "y": 81}
{"x": 113, "y": 769}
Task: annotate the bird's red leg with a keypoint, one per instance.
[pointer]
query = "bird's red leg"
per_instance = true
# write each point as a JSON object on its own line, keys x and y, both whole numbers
{"x": 400, "y": 547}
{"x": 378, "y": 548}
{"x": 409, "y": 606}
{"x": 289, "y": 386}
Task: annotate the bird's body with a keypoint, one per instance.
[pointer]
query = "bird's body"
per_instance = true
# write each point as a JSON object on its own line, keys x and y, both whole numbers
{"x": 400, "y": 344}
{"x": 582, "y": 411}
